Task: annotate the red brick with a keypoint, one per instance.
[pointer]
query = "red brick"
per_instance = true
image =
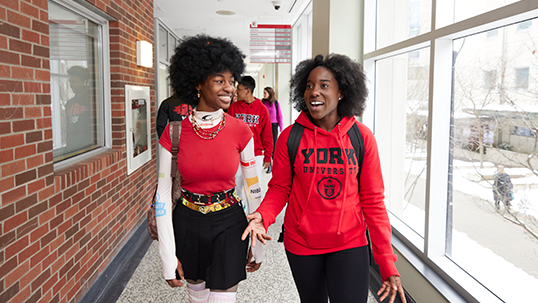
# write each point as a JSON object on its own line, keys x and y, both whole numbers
{"x": 22, "y": 73}
{"x": 12, "y": 196}
{"x": 11, "y": 141}
{"x": 39, "y": 26}
{"x": 45, "y": 38}
{"x": 29, "y": 10}
{"x": 7, "y": 183}
{"x": 3, "y": 41}
{"x": 31, "y": 87}
{"x": 25, "y": 177}
{"x": 35, "y": 186}
{"x": 41, "y": 279}
{"x": 5, "y": 99}
{"x": 15, "y": 221}
{"x": 7, "y": 295}
{"x": 46, "y": 193}
{"x": 41, "y": 51}
{"x": 46, "y": 216}
{"x": 25, "y": 151}
{"x": 34, "y": 161}
{"x": 23, "y": 125}
{"x": 30, "y": 61}
{"x": 33, "y": 112}
{"x": 22, "y": 295}
{"x": 34, "y": 137}
{"x": 39, "y": 257}
{"x": 20, "y": 46}
{"x": 6, "y": 155}
{"x": 43, "y": 99}
{"x": 10, "y": 30}
{"x": 41, "y": 4}
{"x": 18, "y": 19}
{"x": 28, "y": 252}
{"x": 16, "y": 247}
{"x": 29, "y": 276}
{"x": 23, "y": 99}
{"x": 5, "y": 72}
{"x": 9, "y": 58}
{"x": 42, "y": 75}
{"x": 10, "y": 113}
{"x": 37, "y": 209}
{"x": 39, "y": 232}
{"x": 13, "y": 4}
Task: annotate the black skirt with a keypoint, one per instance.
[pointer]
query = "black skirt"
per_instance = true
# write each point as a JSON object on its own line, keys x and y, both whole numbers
{"x": 209, "y": 246}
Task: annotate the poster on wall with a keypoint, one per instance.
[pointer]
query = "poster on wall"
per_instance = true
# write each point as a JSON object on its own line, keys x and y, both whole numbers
{"x": 270, "y": 43}
{"x": 138, "y": 126}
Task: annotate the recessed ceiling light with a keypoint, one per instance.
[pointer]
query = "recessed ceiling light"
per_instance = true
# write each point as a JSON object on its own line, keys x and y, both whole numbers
{"x": 225, "y": 12}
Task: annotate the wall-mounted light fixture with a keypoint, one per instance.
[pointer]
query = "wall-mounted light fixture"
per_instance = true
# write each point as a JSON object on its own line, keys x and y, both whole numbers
{"x": 144, "y": 54}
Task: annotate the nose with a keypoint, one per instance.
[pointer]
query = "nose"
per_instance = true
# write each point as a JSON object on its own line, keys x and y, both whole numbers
{"x": 229, "y": 87}
{"x": 315, "y": 91}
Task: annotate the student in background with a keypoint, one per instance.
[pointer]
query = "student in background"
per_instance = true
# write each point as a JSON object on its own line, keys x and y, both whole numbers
{"x": 275, "y": 114}
{"x": 171, "y": 109}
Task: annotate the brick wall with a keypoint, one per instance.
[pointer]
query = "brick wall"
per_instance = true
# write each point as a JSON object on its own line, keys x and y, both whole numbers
{"x": 59, "y": 229}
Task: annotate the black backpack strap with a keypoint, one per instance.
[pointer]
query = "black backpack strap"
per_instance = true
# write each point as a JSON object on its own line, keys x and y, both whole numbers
{"x": 293, "y": 145}
{"x": 175, "y": 133}
{"x": 355, "y": 136}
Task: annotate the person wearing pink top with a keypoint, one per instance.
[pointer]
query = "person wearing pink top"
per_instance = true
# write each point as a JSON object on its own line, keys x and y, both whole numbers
{"x": 275, "y": 114}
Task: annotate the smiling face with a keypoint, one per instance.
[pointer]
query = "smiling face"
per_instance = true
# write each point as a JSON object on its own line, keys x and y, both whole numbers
{"x": 322, "y": 96}
{"x": 216, "y": 92}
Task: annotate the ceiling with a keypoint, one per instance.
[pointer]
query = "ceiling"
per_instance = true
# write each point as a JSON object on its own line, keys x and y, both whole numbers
{"x": 191, "y": 17}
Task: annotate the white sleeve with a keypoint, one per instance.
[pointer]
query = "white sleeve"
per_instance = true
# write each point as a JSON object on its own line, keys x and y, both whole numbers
{"x": 253, "y": 189}
{"x": 163, "y": 216}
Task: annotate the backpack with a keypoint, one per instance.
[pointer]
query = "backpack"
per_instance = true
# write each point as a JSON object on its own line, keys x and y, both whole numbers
{"x": 357, "y": 142}
{"x": 175, "y": 134}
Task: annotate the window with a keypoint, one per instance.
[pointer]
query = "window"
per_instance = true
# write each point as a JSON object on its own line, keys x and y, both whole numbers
{"x": 522, "y": 78}
{"x": 408, "y": 104}
{"x": 524, "y": 25}
{"x": 490, "y": 78}
{"x": 445, "y": 121}
{"x": 393, "y": 26}
{"x": 77, "y": 66}
{"x": 492, "y": 34}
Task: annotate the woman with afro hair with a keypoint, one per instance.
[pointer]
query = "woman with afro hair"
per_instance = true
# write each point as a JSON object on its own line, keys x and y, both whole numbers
{"x": 327, "y": 211}
{"x": 200, "y": 239}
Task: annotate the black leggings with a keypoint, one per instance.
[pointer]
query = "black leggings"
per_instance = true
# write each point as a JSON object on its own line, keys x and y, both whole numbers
{"x": 342, "y": 276}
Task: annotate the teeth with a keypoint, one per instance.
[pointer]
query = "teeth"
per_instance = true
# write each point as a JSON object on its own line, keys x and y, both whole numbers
{"x": 316, "y": 103}
{"x": 225, "y": 98}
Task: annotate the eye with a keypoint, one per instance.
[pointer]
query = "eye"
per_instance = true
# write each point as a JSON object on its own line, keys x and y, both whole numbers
{"x": 324, "y": 86}
{"x": 309, "y": 86}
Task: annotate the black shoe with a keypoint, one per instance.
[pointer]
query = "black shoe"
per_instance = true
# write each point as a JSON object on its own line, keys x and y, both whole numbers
{"x": 270, "y": 169}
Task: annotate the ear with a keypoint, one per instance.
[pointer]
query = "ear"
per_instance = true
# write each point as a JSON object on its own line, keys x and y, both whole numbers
{"x": 199, "y": 86}
{"x": 340, "y": 96}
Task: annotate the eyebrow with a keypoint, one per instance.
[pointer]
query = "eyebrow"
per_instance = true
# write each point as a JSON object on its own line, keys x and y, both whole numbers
{"x": 322, "y": 80}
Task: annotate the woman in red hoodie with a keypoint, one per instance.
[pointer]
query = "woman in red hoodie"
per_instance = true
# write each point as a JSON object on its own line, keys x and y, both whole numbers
{"x": 328, "y": 211}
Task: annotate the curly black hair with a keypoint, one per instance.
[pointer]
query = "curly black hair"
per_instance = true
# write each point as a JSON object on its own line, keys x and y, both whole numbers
{"x": 349, "y": 75}
{"x": 196, "y": 58}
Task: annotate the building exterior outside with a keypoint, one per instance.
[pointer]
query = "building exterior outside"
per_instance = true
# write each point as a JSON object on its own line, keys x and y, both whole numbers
{"x": 67, "y": 202}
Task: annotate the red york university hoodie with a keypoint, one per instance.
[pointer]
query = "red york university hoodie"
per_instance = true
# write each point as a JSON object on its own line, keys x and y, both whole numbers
{"x": 326, "y": 211}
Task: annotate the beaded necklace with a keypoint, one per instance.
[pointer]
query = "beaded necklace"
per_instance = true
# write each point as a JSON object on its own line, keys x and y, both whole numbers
{"x": 204, "y": 134}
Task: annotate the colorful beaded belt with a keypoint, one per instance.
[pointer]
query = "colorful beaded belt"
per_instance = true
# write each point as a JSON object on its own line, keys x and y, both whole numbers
{"x": 207, "y": 199}
{"x": 206, "y": 208}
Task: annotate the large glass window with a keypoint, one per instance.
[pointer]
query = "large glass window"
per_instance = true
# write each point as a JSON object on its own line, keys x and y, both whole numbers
{"x": 454, "y": 108}
{"x": 407, "y": 106}
{"x": 495, "y": 184}
{"x": 399, "y": 20}
{"x": 76, "y": 65}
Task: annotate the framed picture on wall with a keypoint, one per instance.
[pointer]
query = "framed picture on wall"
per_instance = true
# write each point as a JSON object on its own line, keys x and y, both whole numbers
{"x": 138, "y": 126}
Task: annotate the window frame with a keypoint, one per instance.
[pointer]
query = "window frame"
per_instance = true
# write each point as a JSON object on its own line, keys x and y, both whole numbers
{"x": 427, "y": 255}
{"x": 104, "y": 66}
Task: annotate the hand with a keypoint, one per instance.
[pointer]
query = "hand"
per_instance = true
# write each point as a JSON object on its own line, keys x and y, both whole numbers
{"x": 252, "y": 266}
{"x": 176, "y": 282}
{"x": 256, "y": 229}
{"x": 266, "y": 165}
{"x": 391, "y": 286}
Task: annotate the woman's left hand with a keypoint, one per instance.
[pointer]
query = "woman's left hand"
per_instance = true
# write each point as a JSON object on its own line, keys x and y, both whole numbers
{"x": 391, "y": 287}
{"x": 255, "y": 227}
{"x": 252, "y": 266}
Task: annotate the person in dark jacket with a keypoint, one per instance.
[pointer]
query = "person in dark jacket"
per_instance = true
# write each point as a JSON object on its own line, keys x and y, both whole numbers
{"x": 502, "y": 188}
{"x": 171, "y": 109}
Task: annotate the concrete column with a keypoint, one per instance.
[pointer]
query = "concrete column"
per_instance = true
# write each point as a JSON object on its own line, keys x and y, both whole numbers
{"x": 337, "y": 27}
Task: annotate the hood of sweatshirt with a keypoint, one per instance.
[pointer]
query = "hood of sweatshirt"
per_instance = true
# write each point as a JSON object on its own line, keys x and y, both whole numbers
{"x": 330, "y": 165}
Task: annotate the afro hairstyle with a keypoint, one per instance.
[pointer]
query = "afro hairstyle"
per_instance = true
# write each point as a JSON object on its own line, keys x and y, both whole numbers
{"x": 348, "y": 74}
{"x": 198, "y": 57}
